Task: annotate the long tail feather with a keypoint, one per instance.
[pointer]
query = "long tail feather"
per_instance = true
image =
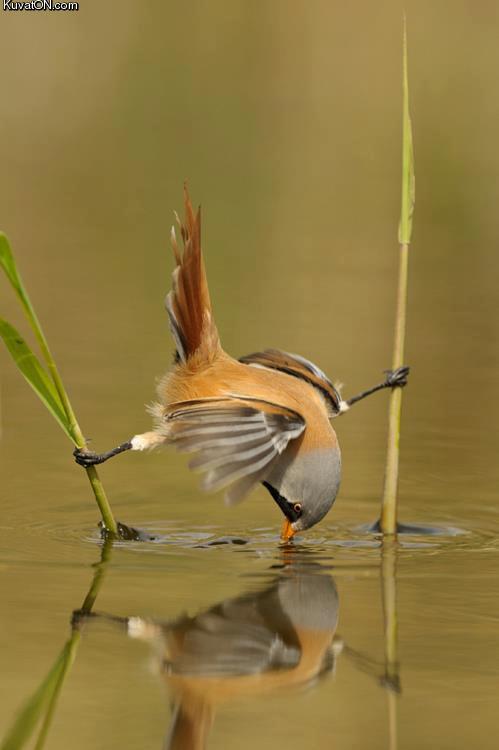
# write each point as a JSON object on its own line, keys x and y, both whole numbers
{"x": 188, "y": 303}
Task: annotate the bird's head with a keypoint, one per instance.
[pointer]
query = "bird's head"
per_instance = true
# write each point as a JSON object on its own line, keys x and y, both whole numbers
{"x": 308, "y": 492}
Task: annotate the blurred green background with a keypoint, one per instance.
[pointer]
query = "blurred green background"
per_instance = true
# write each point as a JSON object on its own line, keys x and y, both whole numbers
{"x": 285, "y": 117}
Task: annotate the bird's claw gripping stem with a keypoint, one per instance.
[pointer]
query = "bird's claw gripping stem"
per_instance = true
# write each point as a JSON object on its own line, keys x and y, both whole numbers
{"x": 394, "y": 379}
{"x": 86, "y": 458}
{"x": 89, "y": 458}
{"x": 397, "y": 378}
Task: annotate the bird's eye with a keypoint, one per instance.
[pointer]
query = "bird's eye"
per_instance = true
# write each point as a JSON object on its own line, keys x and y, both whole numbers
{"x": 297, "y": 507}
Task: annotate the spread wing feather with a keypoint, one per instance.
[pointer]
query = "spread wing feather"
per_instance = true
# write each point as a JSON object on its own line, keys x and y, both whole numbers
{"x": 235, "y": 441}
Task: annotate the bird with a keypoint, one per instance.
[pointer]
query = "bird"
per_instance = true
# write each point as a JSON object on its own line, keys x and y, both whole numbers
{"x": 265, "y": 418}
{"x": 281, "y": 637}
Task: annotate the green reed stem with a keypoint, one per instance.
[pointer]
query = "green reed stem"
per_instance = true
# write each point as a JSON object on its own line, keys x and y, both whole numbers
{"x": 391, "y": 679}
{"x": 41, "y": 706}
{"x": 70, "y": 650}
{"x": 74, "y": 428}
{"x": 72, "y": 644}
{"x": 388, "y": 520}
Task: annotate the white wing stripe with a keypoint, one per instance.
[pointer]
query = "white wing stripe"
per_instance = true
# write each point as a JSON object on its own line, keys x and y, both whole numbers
{"x": 214, "y": 459}
{"x": 223, "y": 441}
{"x": 241, "y": 428}
{"x": 234, "y": 442}
{"x": 211, "y": 482}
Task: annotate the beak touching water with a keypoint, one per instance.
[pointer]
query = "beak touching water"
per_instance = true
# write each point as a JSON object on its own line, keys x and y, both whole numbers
{"x": 287, "y": 531}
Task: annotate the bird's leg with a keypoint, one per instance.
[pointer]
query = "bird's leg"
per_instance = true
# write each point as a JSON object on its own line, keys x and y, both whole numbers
{"x": 89, "y": 458}
{"x": 80, "y": 617}
{"x": 394, "y": 379}
{"x": 142, "y": 442}
{"x": 135, "y": 627}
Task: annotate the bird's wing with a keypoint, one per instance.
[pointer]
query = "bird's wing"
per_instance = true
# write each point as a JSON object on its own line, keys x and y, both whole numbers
{"x": 217, "y": 646}
{"x": 235, "y": 439}
{"x": 299, "y": 367}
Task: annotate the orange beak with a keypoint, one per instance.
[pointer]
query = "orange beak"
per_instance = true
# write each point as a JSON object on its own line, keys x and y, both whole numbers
{"x": 287, "y": 531}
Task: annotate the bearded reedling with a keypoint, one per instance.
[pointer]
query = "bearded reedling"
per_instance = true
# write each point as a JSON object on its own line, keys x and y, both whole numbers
{"x": 265, "y": 418}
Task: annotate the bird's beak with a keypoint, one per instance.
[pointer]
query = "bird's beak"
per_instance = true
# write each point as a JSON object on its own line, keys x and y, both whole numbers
{"x": 287, "y": 531}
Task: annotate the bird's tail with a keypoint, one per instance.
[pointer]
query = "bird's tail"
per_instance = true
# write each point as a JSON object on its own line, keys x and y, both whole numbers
{"x": 188, "y": 303}
{"x": 190, "y": 725}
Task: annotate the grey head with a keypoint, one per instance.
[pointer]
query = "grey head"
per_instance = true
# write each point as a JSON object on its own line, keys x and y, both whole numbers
{"x": 305, "y": 487}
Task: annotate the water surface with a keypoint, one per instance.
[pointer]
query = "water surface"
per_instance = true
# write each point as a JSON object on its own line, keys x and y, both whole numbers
{"x": 287, "y": 124}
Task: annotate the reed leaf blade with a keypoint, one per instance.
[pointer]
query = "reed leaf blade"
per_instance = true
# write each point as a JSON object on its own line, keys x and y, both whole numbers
{"x": 47, "y": 385}
{"x": 28, "y": 719}
{"x": 8, "y": 264}
{"x": 34, "y": 373}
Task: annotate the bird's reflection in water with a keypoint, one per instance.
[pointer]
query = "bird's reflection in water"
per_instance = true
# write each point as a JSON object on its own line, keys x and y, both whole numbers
{"x": 276, "y": 638}
{"x": 279, "y": 637}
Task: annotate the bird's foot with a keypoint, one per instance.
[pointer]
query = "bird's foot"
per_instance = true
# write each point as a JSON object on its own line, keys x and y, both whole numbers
{"x": 79, "y": 617}
{"x": 89, "y": 458}
{"x": 86, "y": 458}
{"x": 397, "y": 378}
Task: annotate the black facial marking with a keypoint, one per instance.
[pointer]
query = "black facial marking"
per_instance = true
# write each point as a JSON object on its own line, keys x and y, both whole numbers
{"x": 289, "y": 510}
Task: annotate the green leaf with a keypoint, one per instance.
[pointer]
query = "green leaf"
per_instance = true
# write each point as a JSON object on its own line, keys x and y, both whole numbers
{"x": 408, "y": 176}
{"x": 50, "y": 389}
{"x": 8, "y": 264}
{"x": 34, "y": 373}
{"x": 41, "y": 701}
